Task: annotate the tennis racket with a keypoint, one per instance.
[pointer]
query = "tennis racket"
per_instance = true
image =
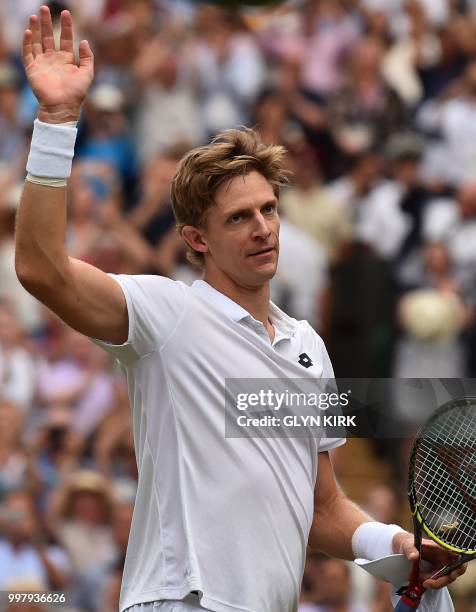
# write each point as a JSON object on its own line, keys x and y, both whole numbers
{"x": 442, "y": 490}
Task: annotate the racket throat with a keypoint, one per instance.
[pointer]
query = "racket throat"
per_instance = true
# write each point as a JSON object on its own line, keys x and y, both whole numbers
{"x": 411, "y": 595}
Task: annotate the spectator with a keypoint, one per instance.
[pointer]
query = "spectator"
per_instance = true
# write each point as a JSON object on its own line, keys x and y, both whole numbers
{"x": 383, "y": 224}
{"x": 153, "y": 215}
{"x": 16, "y": 471}
{"x": 12, "y": 138}
{"x": 301, "y": 278}
{"x": 329, "y": 33}
{"x": 271, "y": 115}
{"x": 382, "y": 503}
{"x": 452, "y": 118}
{"x": 80, "y": 516}
{"x": 327, "y": 586}
{"x": 56, "y": 450}
{"x": 24, "y": 554}
{"x": 307, "y": 205}
{"x": 18, "y": 368}
{"x": 365, "y": 111}
{"x": 106, "y": 136}
{"x": 168, "y": 111}
{"x": 454, "y": 223}
{"x": 432, "y": 320}
{"x": 28, "y": 310}
{"x": 352, "y": 187}
{"x": 417, "y": 51}
{"x": 81, "y": 383}
{"x": 112, "y": 581}
{"x": 230, "y": 69}
{"x": 84, "y": 228}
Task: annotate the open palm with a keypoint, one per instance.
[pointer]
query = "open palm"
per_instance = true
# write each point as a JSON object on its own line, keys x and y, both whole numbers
{"x": 56, "y": 80}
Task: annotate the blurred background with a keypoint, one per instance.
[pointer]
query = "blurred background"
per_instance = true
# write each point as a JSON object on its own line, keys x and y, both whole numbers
{"x": 375, "y": 101}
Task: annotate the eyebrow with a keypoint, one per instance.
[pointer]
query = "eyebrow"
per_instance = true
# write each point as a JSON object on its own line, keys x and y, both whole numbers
{"x": 238, "y": 211}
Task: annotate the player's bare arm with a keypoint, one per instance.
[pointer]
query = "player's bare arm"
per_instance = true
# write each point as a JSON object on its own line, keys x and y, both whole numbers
{"x": 86, "y": 298}
{"x": 336, "y": 519}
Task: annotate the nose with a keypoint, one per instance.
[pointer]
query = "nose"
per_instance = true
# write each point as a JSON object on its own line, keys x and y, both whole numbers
{"x": 261, "y": 228}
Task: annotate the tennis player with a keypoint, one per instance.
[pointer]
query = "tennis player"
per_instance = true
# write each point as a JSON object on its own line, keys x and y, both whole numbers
{"x": 219, "y": 524}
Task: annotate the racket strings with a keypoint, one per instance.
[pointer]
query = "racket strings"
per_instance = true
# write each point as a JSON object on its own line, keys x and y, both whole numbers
{"x": 444, "y": 477}
{"x": 444, "y": 511}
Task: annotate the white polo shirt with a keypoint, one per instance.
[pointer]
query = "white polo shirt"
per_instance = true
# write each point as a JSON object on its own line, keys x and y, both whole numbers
{"x": 227, "y": 517}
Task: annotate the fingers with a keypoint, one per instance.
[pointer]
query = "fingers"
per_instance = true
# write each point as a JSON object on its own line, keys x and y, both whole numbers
{"x": 34, "y": 27}
{"x": 459, "y": 571}
{"x": 46, "y": 29}
{"x": 39, "y": 35}
{"x": 86, "y": 57}
{"x": 445, "y": 580}
{"x": 27, "y": 49}
{"x": 437, "y": 556}
{"x": 437, "y": 584}
{"x": 66, "y": 38}
{"x": 42, "y": 37}
{"x": 409, "y": 550}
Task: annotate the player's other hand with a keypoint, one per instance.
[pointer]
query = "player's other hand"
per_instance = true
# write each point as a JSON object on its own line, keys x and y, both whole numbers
{"x": 57, "y": 81}
{"x": 436, "y": 555}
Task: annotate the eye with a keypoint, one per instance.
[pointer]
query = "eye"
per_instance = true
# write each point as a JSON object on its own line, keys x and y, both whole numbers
{"x": 234, "y": 219}
{"x": 269, "y": 208}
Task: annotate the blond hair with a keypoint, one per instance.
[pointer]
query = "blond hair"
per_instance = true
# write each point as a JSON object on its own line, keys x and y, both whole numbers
{"x": 231, "y": 153}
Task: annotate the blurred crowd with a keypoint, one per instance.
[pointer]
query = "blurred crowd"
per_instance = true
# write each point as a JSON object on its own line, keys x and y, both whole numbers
{"x": 375, "y": 102}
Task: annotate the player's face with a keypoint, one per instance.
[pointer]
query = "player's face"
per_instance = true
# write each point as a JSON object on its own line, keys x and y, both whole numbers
{"x": 242, "y": 231}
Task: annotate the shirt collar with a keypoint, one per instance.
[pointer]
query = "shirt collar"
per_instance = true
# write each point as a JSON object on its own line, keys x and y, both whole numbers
{"x": 282, "y": 322}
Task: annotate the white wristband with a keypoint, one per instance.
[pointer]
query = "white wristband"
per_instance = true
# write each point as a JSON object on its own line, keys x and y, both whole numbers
{"x": 46, "y": 182}
{"x": 52, "y": 150}
{"x": 374, "y": 540}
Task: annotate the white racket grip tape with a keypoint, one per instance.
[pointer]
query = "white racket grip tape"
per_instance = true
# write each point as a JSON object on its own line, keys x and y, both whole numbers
{"x": 396, "y": 569}
{"x": 51, "y": 150}
{"x": 373, "y": 540}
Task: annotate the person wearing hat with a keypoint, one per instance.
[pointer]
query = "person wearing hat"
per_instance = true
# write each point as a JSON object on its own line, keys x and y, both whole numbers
{"x": 81, "y": 518}
{"x": 105, "y": 141}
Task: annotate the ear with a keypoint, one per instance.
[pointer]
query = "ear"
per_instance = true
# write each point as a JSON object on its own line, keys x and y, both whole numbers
{"x": 194, "y": 238}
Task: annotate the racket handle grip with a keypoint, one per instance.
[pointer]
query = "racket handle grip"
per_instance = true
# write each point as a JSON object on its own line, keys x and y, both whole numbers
{"x": 402, "y": 606}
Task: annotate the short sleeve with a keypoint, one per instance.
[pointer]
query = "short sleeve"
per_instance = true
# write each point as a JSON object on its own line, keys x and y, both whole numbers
{"x": 155, "y": 306}
{"x": 326, "y": 444}
{"x": 327, "y": 369}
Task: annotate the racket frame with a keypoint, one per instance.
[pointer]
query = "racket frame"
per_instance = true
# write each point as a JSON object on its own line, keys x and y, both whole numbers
{"x": 412, "y": 594}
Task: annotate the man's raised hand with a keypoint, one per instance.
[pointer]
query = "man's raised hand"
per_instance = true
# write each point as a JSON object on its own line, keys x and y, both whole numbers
{"x": 57, "y": 81}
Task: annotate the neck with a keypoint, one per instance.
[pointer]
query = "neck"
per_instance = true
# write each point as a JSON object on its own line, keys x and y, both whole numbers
{"x": 253, "y": 299}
